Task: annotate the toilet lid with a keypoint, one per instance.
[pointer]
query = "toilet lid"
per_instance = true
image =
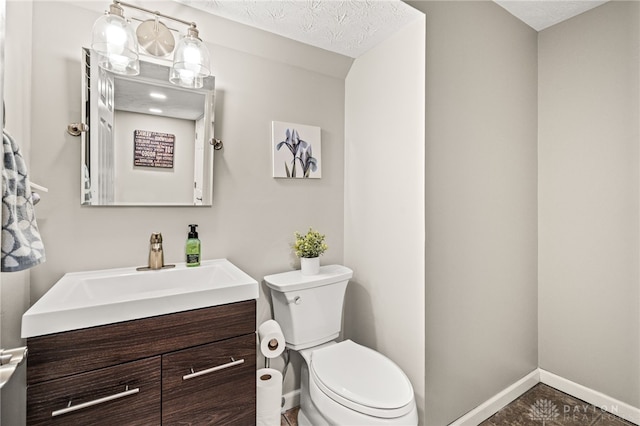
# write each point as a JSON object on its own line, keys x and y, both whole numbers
{"x": 362, "y": 379}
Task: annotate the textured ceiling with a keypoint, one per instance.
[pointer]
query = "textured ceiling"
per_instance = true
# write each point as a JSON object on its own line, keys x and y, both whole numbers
{"x": 351, "y": 27}
{"x": 541, "y": 14}
{"x": 348, "y": 27}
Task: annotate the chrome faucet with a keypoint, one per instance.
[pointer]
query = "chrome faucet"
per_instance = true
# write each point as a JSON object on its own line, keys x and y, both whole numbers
{"x": 156, "y": 256}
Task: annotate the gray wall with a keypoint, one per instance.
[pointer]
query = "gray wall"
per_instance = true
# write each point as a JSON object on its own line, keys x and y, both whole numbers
{"x": 384, "y": 202}
{"x": 589, "y": 292}
{"x": 481, "y": 209}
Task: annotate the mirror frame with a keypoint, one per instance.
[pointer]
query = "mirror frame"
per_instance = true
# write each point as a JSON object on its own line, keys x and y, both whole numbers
{"x": 102, "y": 179}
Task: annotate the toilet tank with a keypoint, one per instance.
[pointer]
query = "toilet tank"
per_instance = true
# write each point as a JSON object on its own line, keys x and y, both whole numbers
{"x": 309, "y": 307}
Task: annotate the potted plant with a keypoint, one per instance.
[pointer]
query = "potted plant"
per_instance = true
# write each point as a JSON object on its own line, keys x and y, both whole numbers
{"x": 309, "y": 248}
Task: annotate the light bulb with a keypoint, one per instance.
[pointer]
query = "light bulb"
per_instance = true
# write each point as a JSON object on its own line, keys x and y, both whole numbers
{"x": 192, "y": 58}
{"x": 116, "y": 39}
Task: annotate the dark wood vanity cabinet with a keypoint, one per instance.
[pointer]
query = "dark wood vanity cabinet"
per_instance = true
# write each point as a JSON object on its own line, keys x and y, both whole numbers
{"x": 196, "y": 367}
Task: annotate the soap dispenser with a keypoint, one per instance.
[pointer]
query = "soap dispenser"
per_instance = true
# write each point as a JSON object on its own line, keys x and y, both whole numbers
{"x": 193, "y": 247}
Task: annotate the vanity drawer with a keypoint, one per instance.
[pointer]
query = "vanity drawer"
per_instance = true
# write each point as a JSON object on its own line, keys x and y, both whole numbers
{"x": 127, "y": 394}
{"x": 62, "y": 354}
{"x": 211, "y": 384}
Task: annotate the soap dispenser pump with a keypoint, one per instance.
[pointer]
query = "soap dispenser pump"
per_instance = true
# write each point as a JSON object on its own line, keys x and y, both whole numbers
{"x": 193, "y": 247}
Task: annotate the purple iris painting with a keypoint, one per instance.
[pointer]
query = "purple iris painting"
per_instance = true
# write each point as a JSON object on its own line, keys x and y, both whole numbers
{"x": 296, "y": 150}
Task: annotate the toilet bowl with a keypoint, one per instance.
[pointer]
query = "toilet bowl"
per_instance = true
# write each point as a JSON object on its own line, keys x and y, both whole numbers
{"x": 350, "y": 384}
{"x": 342, "y": 383}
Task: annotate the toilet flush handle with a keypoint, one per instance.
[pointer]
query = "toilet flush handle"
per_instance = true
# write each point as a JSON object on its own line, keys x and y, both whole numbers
{"x": 294, "y": 299}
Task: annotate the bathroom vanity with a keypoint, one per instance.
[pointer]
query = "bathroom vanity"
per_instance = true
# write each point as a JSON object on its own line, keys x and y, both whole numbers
{"x": 124, "y": 347}
{"x": 193, "y": 367}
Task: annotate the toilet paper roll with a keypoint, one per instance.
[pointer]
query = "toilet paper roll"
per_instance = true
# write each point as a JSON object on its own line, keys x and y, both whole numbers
{"x": 272, "y": 342}
{"x": 269, "y": 395}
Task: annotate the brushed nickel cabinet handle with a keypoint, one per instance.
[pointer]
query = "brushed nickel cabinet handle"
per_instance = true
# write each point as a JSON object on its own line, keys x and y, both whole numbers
{"x": 88, "y": 404}
{"x": 212, "y": 369}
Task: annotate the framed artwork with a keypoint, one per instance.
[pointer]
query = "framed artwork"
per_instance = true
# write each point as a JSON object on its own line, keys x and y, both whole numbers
{"x": 297, "y": 151}
{"x": 153, "y": 149}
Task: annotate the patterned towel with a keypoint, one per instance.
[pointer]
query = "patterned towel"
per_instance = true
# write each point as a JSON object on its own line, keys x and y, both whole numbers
{"x": 22, "y": 246}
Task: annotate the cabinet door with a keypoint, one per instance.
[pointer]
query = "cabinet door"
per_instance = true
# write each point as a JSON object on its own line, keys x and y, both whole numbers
{"x": 126, "y": 394}
{"x": 212, "y": 384}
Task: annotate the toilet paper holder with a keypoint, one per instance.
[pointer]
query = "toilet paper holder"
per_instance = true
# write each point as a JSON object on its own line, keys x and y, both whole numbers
{"x": 273, "y": 344}
{"x": 271, "y": 340}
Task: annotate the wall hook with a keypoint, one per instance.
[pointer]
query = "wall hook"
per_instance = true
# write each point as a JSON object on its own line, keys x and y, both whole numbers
{"x": 76, "y": 129}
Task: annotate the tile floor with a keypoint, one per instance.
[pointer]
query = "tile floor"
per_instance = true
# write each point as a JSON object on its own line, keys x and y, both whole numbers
{"x": 290, "y": 417}
{"x": 542, "y": 405}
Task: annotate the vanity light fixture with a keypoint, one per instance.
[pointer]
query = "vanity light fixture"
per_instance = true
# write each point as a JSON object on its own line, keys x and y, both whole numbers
{"x": 117, "y": 45}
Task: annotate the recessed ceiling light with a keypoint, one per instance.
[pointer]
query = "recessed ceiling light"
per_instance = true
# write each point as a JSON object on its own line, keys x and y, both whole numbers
{"x": 156, "y": 95}
{"x": 155, "y": 110}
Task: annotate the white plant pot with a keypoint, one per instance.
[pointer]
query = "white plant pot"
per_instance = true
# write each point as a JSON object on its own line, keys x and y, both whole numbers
{"x": 310, "y": 265}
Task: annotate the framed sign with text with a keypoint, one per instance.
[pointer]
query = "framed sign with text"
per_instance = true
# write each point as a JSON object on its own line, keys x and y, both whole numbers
{"x": 153, "y": 149}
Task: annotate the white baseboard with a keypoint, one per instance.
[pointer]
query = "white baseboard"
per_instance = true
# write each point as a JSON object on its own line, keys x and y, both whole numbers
{"x": 598, "y": 399}
{"x": 500, "y": 400}
{"x": 511, "y": 393}
{"x": 291, "y": 400}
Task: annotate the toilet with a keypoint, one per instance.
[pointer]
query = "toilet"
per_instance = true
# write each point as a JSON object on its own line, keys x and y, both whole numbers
{"x": 342, "y": 383}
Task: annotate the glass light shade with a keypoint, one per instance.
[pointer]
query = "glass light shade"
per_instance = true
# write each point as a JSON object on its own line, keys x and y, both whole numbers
{"x": 191, "y": 62}
{"x": 116, "y": 44}
{"x": 186, "y": 78}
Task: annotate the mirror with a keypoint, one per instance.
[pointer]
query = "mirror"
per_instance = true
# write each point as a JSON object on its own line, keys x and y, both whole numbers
{"x": 149, "y": 142}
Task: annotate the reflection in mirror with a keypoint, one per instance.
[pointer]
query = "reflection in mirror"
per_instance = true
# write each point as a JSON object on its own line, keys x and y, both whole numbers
{"x": 148, "y": 141}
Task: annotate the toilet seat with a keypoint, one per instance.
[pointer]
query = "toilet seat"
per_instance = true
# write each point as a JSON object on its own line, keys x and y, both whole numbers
{"x": 362, "y": 379}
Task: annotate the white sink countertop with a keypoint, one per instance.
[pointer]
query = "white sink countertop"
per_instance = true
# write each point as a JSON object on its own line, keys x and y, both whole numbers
{"x": 88, "y": 299}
